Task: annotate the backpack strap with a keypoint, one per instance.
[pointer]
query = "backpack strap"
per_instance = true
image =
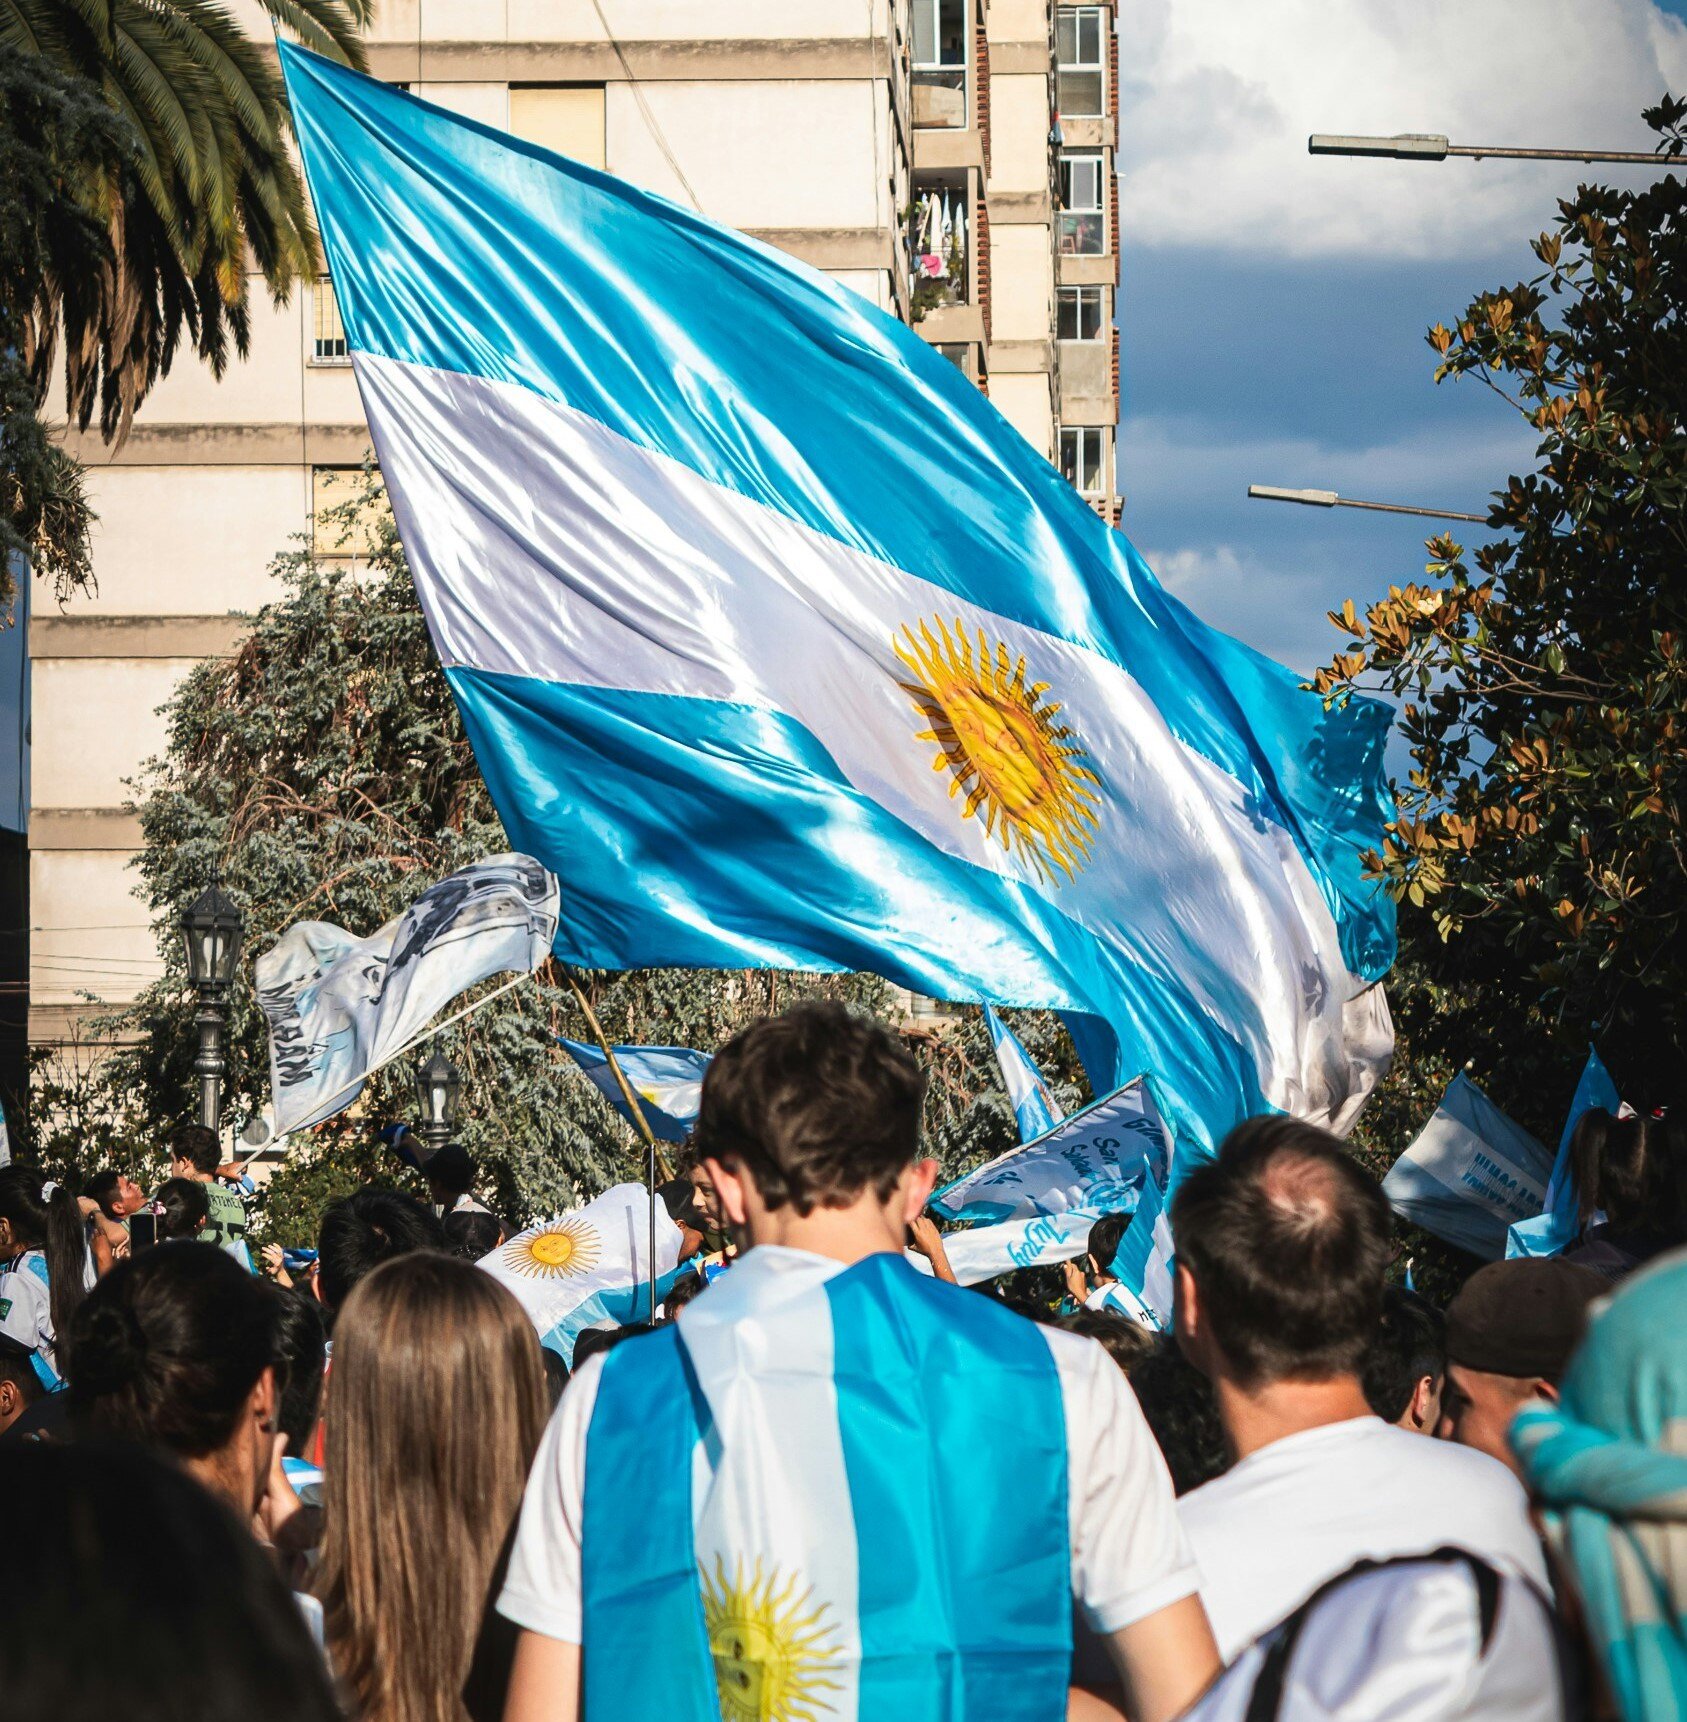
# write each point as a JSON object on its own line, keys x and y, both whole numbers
{"x": 1265, "y": 1703}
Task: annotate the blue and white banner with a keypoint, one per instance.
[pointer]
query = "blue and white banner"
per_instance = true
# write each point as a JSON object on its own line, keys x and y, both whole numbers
{"x": 667, "y": 1079}
{"x": 1554, "y": 1229}
{"x": 1143, "y": 1266}
{"x": 986, "y": 1252}
{"x": 1096, "y": 1160}
{"x": 589, "y": 1268}
{"x": 1033, "y": 1105}
{"x": 781, "y": 645}
{"x": 1471, "y": 1174}
{"x": 339, "y": 1005}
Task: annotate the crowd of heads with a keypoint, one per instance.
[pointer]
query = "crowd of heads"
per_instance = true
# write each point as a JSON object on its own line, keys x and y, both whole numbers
{"x": 205, "y": 1407}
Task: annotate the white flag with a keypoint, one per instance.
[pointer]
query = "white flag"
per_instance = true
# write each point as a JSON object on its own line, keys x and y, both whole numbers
{"x": 338, "y": 1005}
{"x": 986, "y": 1252}
{"x": 1096, "y": 1160}
{"x": 589, "y": 1268}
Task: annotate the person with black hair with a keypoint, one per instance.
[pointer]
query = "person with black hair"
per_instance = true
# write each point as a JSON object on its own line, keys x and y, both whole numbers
{"x": 184, "y": 1209}
{"x": 1282, "y": 1243}
{"x": 45, "y": 1267}
{"x": 195, "y": 1154}
{"x": 681, "y": 1292}
{"x": 301, "y": 1350}
{"x": 471, "y": 1233}
{"x": 176, "y": 1350}
{"x": 1406, "y": 1366}
{"x": 361, "y": 1231}
{"x": 1182, "y": 1411}
{"x": 1090, "y": 1282}
{"x": 1122, "y": 1339}
{"x": 107, "y": 1201}
{"x": 20, "y": 1386}
{"x": 144, "y": 1599}
{"x": 1633, "y": 1171}
{"x": 451, "y": 1173}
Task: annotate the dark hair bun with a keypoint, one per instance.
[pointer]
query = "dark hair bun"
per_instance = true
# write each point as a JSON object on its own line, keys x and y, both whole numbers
{"x": 110, "y": 1348}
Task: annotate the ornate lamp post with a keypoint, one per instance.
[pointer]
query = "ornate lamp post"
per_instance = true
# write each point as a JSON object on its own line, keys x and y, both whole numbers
{"x": 439, "y": 1086}
{"x": 212, "y": 929}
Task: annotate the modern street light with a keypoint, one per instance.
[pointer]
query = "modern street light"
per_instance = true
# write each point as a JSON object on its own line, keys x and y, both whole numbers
{"x": 1329, "y": 499}
{"x": 439, "y": 1086}
{"x": 212, "y": 929}
{"x": 1432, "y": 146}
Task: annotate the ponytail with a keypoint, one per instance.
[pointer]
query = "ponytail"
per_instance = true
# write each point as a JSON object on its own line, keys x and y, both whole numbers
{"x": 66, "y": 1249}
{"x": 46, "y": 1217}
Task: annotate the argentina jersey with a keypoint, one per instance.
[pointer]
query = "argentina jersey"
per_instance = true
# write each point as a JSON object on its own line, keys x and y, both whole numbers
{"x": 26, "y": 1313}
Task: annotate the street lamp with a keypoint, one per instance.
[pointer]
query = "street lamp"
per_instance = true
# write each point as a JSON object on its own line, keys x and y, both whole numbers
{"x": 439, "y": 1086}
{"x": 1432, "y": 146}
{"x": 211, "y": 932}
{"x": 1329, "y": 499}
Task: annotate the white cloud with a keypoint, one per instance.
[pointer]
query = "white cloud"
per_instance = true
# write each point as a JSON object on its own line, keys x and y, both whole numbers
{"x": 1218, "y": 97}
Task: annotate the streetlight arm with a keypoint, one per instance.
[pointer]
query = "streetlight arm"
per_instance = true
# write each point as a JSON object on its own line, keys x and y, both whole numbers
{"x": 1329, "y": 499}
{"x": 1426, "y": 146}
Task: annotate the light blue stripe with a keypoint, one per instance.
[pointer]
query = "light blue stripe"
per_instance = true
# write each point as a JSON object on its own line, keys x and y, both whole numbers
{"x": 455, "y": 246}
{"x": 567, "y": 768}
{"x": 620, "y": 1306}
{"x": 646, "y": 1647}
{"x": 945, "y": 1396}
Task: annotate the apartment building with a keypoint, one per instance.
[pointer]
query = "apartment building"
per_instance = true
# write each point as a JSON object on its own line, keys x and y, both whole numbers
{"x": 950, "y": 160}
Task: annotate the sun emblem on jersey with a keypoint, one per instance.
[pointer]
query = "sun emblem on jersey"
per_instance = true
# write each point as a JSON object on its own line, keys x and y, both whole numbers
{"x": 554, "y": 1252}
{"x": 773, "y": 1647}
{"x": 1000, "y": 743}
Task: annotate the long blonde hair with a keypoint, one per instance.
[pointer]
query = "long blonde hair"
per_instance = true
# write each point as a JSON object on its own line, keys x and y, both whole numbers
{"x": 435, "y": 1410}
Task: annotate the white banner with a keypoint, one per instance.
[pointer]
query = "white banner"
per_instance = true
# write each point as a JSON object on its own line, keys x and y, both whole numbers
{"x": 338, "y": 1005}
{"x": 1096, "y": 1160}
{"x": 1471, "y": 1174}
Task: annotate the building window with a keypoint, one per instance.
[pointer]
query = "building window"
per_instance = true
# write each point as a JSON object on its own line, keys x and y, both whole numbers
{"x": 1079, "y": 311}
{"x": 940, "y": 62}
{"x": 1080, "y": 33}
{"x": 564, "y": 118}
{"x": 342, "y": 529}
{"x": 328, "y": 333}
{"x": 1083, "y": 220}
{"x": 1083, "y": 453}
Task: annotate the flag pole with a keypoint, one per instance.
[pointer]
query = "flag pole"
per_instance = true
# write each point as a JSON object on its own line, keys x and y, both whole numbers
{"x": 655, "y": 1162}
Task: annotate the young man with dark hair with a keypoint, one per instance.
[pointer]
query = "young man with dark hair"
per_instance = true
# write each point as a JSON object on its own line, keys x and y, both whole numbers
{"x": 1090, "y": 1281}
{"x": 1282, "y": 1242}
{"x": 195, "y": 1153}
{"x": 1510, "y": 1333}
{"x": 1406, "y": 1365}
{"x": 472, "y": 1233}
{"x": 20, "y": 1386}
{"x": 834, "y": 1483}
{"x": 361, "y": 1231}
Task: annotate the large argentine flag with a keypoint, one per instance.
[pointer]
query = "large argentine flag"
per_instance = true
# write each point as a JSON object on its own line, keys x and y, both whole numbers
{"x": 779, "y": 645}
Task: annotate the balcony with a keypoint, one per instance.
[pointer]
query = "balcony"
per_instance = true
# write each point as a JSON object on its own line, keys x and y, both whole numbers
{"x": 940, "y": 96}
{"x": 939, "y": 243}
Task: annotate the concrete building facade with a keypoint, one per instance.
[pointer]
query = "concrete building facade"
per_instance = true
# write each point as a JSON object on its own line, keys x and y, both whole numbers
{"x": 950, "y": 160}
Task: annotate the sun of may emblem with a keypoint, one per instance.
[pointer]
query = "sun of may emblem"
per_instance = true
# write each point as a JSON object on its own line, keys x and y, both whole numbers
{"x": 1000, "y": 743}
{"x": 773, "y": 1648}
{"x": 554, "y": 1252}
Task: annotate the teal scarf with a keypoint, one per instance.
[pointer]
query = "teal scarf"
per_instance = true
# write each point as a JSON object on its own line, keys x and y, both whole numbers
{"x": 1608, "y": 1465}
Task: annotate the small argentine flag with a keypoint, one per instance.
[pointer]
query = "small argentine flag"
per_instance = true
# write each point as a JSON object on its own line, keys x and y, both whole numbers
{"x": 589, "y": 1268}
{"x": 1033, "y": 1105}
{"x": 784, "y": 649}
{"x": 667, "y": 1079}
{"x": 1143, "y": 1268}
{"x": 1554, "y": 1229}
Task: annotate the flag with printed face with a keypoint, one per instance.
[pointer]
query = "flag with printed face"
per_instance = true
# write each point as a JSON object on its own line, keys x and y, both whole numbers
{"x": 667, "y": 1079}
{"x": 1554, "y": 1229}
{"x": 779, "y": 643}
{"x": 1096, "y": 1160}
{"x": 1033, "y": 1105}
{"x": 1471, "y": 1174}
{"x": 589, "y": 1268}
{"x": 338, "y": 1005}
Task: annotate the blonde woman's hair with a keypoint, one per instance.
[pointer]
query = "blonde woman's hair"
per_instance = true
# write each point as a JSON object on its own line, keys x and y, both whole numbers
{"x": 435, "y": 1410}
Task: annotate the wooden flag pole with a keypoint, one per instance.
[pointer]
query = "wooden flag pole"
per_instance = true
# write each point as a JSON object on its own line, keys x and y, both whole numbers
{"x": 657, "y": 1162}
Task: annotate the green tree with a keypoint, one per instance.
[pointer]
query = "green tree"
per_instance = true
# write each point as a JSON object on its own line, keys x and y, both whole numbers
{"x": 1537, "y": 848}
{"x": 322, "y": 773}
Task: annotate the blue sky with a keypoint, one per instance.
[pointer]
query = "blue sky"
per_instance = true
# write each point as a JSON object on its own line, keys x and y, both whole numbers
{"x": 1273, "y": 305}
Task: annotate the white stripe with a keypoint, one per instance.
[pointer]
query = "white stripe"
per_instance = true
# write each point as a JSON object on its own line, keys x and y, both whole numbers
{"x": 545, "y": 545}
{"x": 773, "y": 1487}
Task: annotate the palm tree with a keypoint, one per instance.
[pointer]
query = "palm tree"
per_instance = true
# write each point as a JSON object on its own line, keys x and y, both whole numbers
{"x": 206, "y": 184}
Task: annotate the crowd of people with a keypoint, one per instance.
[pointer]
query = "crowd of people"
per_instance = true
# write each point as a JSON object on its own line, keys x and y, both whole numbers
{"x": 823, "y": 1485}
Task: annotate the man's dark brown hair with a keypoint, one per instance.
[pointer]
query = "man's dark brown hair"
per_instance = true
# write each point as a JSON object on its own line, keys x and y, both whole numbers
{"x": 1287, "y": 1241}
{"x": 815, "y": 1106}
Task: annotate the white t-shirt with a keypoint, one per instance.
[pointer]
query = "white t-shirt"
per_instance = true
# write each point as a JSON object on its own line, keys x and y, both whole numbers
{"x": 1274, "y": 1527}
{"x": 1129, "y": 1556}
{"x": 1405, "y": 1645}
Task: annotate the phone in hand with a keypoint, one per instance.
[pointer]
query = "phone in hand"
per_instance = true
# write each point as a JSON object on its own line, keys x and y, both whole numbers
{"x": 143, "y": 1230}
